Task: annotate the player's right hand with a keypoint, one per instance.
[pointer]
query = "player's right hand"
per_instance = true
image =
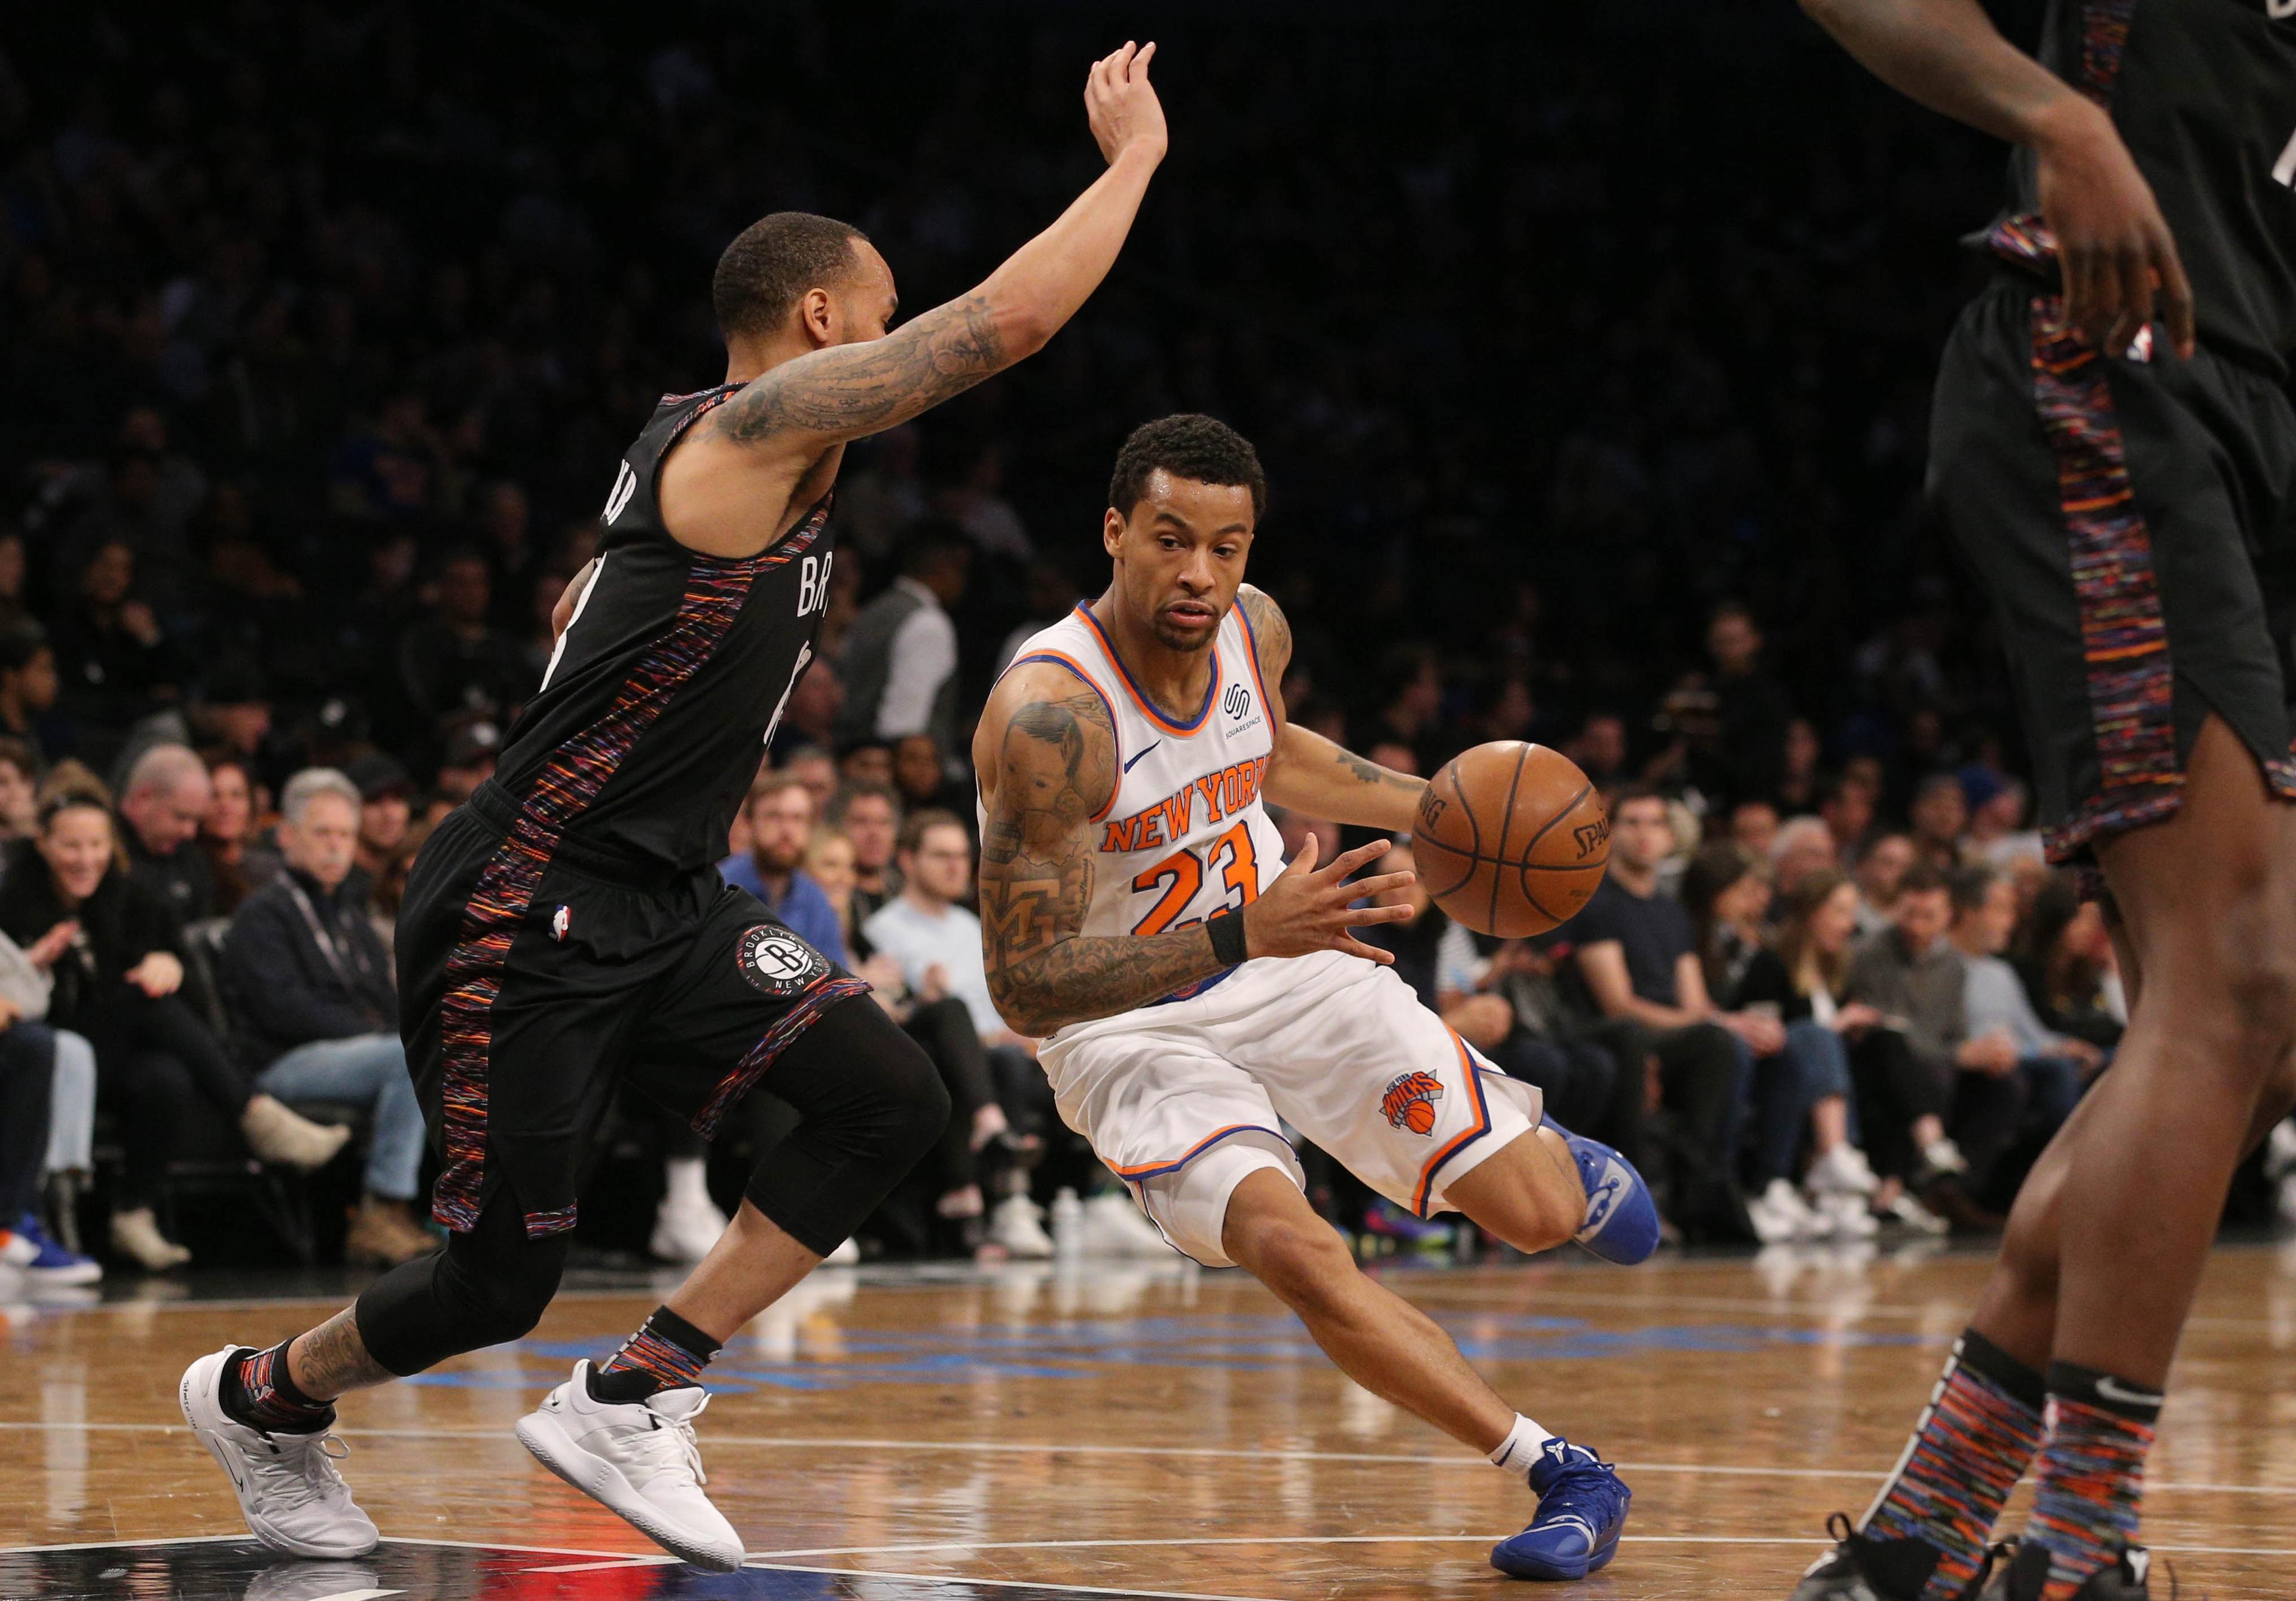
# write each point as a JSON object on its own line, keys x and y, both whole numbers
{"x": 1122, "y": 107}
{"x": 1308, "y": 908}
{"x": 2114, "y": 250}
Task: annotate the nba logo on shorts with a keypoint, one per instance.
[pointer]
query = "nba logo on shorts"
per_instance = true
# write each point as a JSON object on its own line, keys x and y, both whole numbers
{"x": 1409, "y": 1102}
{"x": 560, "y": 921}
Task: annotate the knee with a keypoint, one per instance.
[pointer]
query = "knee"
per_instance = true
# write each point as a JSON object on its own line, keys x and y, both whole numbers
{"x": 907, "y": 1102}
{"x": 501, "y": 1303}
{"x": 1301, "y": 1258}
{"x": 2260, "y": 975}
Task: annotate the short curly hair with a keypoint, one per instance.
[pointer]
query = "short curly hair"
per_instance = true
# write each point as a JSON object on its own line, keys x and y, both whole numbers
{"x": 774, "y": 261}
{"x": 1186, "y": 445}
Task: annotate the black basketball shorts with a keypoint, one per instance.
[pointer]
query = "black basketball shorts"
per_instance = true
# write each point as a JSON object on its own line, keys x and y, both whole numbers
{"x": 2129, "y": 517}
{"x": 535, "y": 975}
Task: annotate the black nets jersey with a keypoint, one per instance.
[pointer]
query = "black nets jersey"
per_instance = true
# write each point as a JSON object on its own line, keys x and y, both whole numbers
{"x": 655, "y": 712}
{"x": 2204, "y": 95}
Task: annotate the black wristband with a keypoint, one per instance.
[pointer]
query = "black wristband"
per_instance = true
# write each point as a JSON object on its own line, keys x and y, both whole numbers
{"x": 1227, "y": 929}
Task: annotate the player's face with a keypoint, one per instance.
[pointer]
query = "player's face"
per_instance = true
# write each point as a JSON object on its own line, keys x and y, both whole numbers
{"x": 1179, "y": 556}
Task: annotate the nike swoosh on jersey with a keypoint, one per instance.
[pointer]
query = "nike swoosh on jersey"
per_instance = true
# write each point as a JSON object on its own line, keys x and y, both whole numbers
{"x": 1144, "y": 749}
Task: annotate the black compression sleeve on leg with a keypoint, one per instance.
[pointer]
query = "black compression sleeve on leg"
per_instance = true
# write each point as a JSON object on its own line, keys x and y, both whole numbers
{"x": 871, "y": 1105}
{"x": 488, "y": 1286}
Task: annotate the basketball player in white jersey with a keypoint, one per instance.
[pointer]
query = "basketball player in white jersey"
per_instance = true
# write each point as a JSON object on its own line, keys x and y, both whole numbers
{"x": 1195, "y": 993}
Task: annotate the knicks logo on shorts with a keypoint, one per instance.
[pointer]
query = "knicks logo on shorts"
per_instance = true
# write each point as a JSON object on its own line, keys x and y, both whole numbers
{"x": 1409, "y": 1102}
{"x": 776, "y": 961}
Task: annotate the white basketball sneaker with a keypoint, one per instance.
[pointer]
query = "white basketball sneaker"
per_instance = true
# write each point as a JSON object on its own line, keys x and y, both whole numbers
{"x": 638, "y": 1459}
{"x": 288, "y": 1488}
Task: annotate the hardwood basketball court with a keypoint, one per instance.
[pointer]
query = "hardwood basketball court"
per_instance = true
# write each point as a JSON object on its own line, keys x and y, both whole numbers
{"x": 999, "y": 1435}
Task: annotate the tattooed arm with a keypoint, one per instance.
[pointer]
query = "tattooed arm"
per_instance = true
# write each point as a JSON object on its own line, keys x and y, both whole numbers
{"x": 772, "y": 439}
{"x": 1046, "y": 751}
{"x": 1308, "y": 773}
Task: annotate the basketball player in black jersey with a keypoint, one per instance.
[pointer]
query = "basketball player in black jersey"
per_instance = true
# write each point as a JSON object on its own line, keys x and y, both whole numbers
{"x": 567, "y": 930}
{"x": 2112, "y": 450}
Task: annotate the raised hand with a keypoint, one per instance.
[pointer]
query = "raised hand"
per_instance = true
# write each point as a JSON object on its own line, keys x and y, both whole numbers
{"x": 1122, "y": 106}
{"x": 1307, "y": 908}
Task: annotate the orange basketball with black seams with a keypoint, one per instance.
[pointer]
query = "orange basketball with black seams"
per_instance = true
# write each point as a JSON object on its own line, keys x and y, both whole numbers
{"x": 1511, "y": 839}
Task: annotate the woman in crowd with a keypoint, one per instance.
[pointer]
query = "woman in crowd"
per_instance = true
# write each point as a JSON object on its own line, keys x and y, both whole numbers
{"x": 1803, "y": 1087}
{"x": 227, "y": 834}
{"x": 114, "y": 953}
{"x": 2065, "y": 958}
{"x": 20, "y": 804}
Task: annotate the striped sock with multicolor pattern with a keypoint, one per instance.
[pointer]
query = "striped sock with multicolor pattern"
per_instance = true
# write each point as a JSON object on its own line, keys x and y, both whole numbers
{"x": 2091, "y": 1486}
{"x": 1981, "y": 1433}
{"x": 258, "y": 1391}
{"x": 666, "y": 1352}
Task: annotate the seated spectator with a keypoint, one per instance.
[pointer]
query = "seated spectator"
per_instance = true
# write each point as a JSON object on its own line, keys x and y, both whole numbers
{"x": 869, "y": 814}
{"x": 452, "y": 660}
{"x": 28, "y": 1080}
{"x": 316, "y": 1008}
{"x": 20, "y": 804}
{"x": 2046, "y": 1071}
{"x": 236, "y": 863}
{"x": 780, "y": 813}
{"x": 1998, "y": 832}
{"x": 899, "y": 666}
{"x": 469, "y": 762}
{"x": 1939, "y": 816}
{"x": 1637, "y": 954}
{"x": 866, "y": 761}
{"x": 28, "y": 688}
{"x": 920, "y": 772}
{"x": 164, "y": 800}
{"x": 1802, "y": 1087}
{"x": 1912, "y": 975}
{"x": 1806, "y": 967}
{"x": 1804, "y": 850}
{"x": 812, "y": 767}
{"x": 1754, "y": 826}
{"x": 1845, "y": 806}
{"x": 2066, "y": 960}
{"x": 386, "y": 810}
{"x": 1881, "y": 867}
{"x": 115, "y": 952}
{"x": 112, "y": 661}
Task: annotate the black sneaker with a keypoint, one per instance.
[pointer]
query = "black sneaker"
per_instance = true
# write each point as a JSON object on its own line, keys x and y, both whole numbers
{"x": 1875, "y": 1569}
{"x": 2127, "y": 1579}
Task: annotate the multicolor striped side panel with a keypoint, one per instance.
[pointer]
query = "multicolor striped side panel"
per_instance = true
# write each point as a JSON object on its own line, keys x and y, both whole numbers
{"x": 786, "y": 1028}
{"x": 2025, "y": 238}
{"x": 715, "y": 591}
{"x": 2124, "y": 638}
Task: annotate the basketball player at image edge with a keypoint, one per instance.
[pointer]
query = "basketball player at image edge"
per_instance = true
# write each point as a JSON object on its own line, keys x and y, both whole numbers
{"x": 1196, "y": 994}
{"x": 567, "y": 930}
{"x": 2112, "y": 450}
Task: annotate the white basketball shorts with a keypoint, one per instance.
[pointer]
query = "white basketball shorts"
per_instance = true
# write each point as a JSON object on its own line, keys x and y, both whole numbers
{"x": 1184, "y": 1099}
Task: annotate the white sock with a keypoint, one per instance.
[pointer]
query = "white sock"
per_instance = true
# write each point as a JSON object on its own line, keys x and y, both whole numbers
{"x": 1518, "y": 1453}
{"x": 689, "y": 1179}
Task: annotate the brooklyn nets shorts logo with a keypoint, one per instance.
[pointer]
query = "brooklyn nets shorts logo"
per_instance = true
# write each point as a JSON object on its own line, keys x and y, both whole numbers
{"x": 776, "y": 961}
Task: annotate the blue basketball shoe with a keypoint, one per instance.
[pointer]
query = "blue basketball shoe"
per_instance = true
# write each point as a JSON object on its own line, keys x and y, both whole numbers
{"x": 1582, "y": 1507}
{"x": 1621, "y": 1223}
{"x": 26, "y": 1246}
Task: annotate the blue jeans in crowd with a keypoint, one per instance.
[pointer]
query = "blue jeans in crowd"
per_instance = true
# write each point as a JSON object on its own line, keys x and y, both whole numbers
{"x": 364, "y": 1070}
{"x": 1812, "y": 1065}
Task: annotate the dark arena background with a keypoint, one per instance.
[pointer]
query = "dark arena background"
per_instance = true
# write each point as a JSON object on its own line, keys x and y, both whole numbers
{"x": 1589, "y": 352}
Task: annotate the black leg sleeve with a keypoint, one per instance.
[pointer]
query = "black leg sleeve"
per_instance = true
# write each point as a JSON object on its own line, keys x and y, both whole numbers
{"x": 489, "y": 1285}
{"x": 873, "y": 1104}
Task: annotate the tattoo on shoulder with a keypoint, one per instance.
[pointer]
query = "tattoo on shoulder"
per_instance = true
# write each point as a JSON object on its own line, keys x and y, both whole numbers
{"x": 854, "y": 390}
{"x": 1271, "y": 630}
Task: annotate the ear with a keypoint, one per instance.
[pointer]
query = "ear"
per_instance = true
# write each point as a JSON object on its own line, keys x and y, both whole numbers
{"x": 1111, "y": 530}
{"x": 817, "y": 317}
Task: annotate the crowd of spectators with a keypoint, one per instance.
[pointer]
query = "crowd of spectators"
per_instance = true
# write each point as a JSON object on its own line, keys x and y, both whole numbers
{"x": 1592, "y": 407}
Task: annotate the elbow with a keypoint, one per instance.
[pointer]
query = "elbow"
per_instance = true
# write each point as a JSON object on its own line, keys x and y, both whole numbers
{"x": 1024, "y": 330}
{"x": 1018, "y": 1016}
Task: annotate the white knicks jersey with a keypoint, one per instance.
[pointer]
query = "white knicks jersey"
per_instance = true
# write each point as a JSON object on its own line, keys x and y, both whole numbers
{"x": 1185, "y": 835}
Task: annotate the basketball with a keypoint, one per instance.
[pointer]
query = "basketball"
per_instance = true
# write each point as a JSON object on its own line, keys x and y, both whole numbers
{"x": 1511, "y": 839}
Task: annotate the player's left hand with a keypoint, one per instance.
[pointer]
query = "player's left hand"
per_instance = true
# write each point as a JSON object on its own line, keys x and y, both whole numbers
{"x": 1121, "y": 105}
{"x": 2114, "y": 250}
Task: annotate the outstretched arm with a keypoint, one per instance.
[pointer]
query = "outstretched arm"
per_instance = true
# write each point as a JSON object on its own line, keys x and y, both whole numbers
{"x": 2113, "y": 245}
{"x": 847, "y": 391}
{"x": 1306, "y": 772}
{"x": 1046, "y": 754}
